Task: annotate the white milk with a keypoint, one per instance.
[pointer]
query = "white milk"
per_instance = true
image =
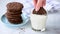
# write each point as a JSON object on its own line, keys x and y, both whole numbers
{"x": 38, "y": 21}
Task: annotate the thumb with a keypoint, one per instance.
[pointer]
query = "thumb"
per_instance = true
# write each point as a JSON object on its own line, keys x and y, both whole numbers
{"x": 34, "y": 2}
{"x": 39, "y": 4}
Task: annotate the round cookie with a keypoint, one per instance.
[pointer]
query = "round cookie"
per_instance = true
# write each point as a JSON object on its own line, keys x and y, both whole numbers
{"x": 16, "y": 6}
{"x": 40, "y": 12}
{"x": 14, "y": 13}
{"x": 15, "y": 21}
{"x": 12, "y": 16}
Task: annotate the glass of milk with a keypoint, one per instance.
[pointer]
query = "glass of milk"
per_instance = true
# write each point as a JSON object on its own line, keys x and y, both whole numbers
{"x": 38, "y": 22}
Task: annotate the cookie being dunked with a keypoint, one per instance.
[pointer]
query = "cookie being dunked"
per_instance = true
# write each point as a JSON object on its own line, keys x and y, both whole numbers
{"x": 14, "y": 11}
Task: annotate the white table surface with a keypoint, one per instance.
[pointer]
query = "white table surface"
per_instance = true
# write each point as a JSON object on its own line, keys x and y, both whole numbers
{"x": 52, "y": 26}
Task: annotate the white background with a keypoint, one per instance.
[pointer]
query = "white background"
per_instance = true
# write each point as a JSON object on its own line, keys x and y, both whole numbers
{"x": 52, "y": 25}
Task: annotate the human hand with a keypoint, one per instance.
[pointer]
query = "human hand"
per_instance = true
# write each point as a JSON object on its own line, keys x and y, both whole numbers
{"x": 38, "y": 4}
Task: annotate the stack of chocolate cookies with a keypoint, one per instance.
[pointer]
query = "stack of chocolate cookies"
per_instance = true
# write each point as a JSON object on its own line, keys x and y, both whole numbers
{"x": 14, "y": 11}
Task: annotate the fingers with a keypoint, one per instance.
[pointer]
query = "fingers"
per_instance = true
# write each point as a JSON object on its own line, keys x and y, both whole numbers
{"x": 39, "y": 4}
{"x": 35, "y": 2}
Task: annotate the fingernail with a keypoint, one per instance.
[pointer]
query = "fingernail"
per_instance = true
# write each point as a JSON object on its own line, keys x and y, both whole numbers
{"x": 36, "y": 9}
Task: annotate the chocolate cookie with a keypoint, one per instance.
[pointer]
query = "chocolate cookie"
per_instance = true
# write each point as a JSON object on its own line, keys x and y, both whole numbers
{"x": 15, "y": 6}
{"x": 15, "y": 21}
{"x": 13, "y": 16}
{"x": 14, "y": 13}
{"x": 41, "y": 11}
